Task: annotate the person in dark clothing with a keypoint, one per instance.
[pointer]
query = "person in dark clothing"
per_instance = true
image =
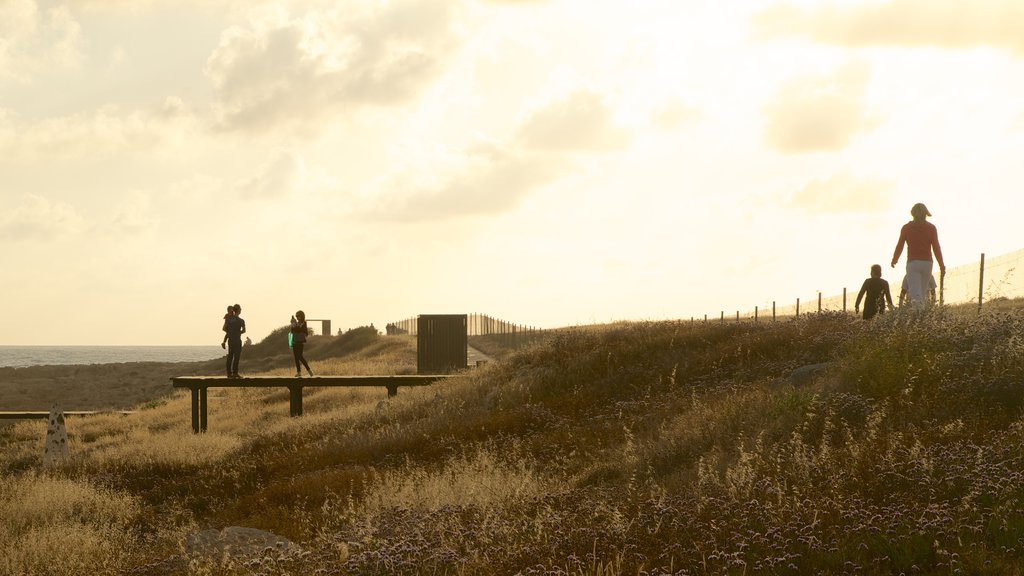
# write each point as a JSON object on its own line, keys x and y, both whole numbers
{"x": 299, "y": 333}
{"x": 234, "y": 327}
{"x": 877, "y": 291}
{"x": 230, "y": 312}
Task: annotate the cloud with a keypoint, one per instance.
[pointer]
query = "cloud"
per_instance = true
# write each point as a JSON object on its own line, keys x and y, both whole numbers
{"x": 280, "y": 176}
{"x": 581, "y": 121}
{"x": 819, "y": 113}
{"x": 843, "y": 193}
{"x": 37, "y": 218}
{"x": 134, "y": 215}
{"x": 106, "y": 130}
{"x": 943, "y": 23}
{"x": 672, "y": 114}
{"x": 283, "y": 69}
{"x": 486, "y": 178}
{"x": 32, "y": 40}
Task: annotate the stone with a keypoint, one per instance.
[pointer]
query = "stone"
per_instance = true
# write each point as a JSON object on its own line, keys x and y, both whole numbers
{"x": 235, "y": 542}
{"x": 56, "y": 452}
{"x": 806, "y": 374}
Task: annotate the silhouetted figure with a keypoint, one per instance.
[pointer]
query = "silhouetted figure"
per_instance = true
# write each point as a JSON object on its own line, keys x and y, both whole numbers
{"x": 230, "y": 312}
{"x": 922, "y": 240}
{"x": 904, "y": 289}
{"x": 877, "y": 291}
{"x": 234, "y": 327}
{"x": 299, "y": 333}
{"x": 248, "y": 342}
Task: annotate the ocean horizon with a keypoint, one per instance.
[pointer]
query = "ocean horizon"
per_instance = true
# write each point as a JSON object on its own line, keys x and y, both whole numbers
{"x": 25, "y": 356}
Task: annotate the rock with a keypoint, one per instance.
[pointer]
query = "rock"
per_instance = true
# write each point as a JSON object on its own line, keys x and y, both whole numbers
{"x": 236, "y": 542}
{"x": 56, "y": 439}
{"x": 804, "y": 375}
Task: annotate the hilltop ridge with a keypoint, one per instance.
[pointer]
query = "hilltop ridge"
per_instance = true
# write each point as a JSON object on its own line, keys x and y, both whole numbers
{"x": 655, "y": 447}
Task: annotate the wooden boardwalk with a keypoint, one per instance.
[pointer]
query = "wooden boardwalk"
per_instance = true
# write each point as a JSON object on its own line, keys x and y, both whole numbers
{"x": 200, "y": 384}
{"x": 44, "y": 414}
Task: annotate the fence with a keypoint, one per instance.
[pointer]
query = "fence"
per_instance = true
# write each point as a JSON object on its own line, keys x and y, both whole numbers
{"x": 477, "y": 325}
{"x": 988, "y": 279}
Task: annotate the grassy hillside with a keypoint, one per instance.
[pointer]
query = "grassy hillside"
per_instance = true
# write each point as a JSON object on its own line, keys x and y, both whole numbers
{"x": 644, "y": 448}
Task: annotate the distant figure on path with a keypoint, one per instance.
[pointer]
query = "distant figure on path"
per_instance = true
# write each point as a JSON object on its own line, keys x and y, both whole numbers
{"x": 904, "y": 289}
{"x": 234, "y": 327}
{"x": 922, "y": 240}
{"x": 299, "y": 332}
{"x": 230, "y": 312}
{"x": 877, "y": 291}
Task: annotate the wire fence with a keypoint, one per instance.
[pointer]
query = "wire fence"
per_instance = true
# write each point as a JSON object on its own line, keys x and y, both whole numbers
{"x": 983, "y": 281}
{"x": 476, "y": 325}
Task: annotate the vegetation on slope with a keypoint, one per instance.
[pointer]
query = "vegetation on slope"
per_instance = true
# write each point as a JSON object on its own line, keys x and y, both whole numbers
{"x": 644, "y": 448}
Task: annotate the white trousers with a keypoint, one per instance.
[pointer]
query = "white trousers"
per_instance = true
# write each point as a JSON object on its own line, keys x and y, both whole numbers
{"x": 919, "y": 276}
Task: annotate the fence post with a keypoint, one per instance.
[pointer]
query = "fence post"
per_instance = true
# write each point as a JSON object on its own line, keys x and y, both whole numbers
{"x": 773, "y": 310}
{"x": 819, "y": 301}
{"x": 798, "y": 308}
{"x": 723, "y": 316}
{"x": 755, "y": 314}
{"x": 844, "y": 299}
{"x": 981, "y": 280}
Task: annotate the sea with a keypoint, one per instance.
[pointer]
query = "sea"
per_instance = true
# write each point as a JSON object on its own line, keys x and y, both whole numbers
{"x": 23, "y": 356}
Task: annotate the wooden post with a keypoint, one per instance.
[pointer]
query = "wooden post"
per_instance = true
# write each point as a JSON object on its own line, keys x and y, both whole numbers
{"x": 755, "y": 313}
{"x": 981, "y": 281}
{"x": 295, "y": 400}
{"x": 723, "y": 316}
{"x": 737, "y": 316}
{"x": 195, "y": 410}
{"x": 773, "y": 310}
{"x": 202, "y": 408}
{"x": 819, "y": 302}
{"x": 844, "y": 299}
{"x": 797, "y": 307}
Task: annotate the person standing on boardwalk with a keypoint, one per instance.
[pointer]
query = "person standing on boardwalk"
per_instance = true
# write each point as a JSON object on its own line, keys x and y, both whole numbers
{"x": 299, "y": 332}
{"x": 877, "y": 291}
{"x": 922, "y": 240}
{"x": 234, "y": 327}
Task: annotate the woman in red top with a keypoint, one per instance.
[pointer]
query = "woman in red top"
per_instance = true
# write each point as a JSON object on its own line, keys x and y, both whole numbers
{"x": 922, "y": 240}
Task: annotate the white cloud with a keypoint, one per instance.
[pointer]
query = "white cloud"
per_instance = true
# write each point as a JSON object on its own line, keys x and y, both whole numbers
{"x": 581, "y": 121}
{"x": 106, "y": 130}
{"x": 134, "y": 215}
{"x": 298, "y": 70}
{"x": 843, "y": 193}
{"x": 819, "y": 112}
{"x": 944, "y": 23}
{"x": 36, "y": 218}
{"x": 486, "y": 178}
{"x": 672, "y": 114}
{"x": 32, "y": 40}
{"x": 282, "y": 175}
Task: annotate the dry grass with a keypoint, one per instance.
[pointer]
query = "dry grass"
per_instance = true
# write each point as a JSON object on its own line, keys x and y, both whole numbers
{"x": 638, "y": 448}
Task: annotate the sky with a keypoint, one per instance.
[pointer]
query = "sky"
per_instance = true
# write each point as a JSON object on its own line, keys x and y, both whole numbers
{"x": 547, "y": 162}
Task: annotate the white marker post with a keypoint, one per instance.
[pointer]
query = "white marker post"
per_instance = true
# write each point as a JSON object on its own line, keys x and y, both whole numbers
{"x": 56, "y": 439}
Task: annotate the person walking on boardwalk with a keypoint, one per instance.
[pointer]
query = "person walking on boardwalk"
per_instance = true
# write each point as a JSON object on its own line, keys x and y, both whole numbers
{"x": 299, "y": 332}
{"x": 234, "y": 326}
{"x": 922, "y": 240}
{"x": 877, "y": 291}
